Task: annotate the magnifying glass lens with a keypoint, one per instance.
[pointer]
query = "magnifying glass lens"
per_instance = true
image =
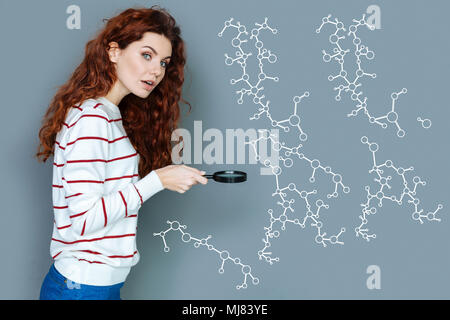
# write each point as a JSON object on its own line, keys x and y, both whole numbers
{"x": 229, "y": 174}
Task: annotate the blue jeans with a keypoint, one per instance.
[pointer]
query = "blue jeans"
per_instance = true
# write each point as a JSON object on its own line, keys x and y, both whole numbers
{"x": 58, "y": 287}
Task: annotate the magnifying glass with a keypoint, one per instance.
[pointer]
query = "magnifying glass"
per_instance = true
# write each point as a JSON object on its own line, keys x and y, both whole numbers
{"x": 228, "y": 176}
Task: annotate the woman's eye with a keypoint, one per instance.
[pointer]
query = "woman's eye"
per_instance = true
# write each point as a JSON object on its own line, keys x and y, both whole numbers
{"x": 163, "y": 63}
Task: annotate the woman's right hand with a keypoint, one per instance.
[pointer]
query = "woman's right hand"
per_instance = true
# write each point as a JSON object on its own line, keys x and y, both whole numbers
{"x": 179, "y": 177}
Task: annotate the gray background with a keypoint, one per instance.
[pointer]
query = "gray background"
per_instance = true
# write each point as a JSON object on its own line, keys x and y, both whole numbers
{"x": 39, "y": 53}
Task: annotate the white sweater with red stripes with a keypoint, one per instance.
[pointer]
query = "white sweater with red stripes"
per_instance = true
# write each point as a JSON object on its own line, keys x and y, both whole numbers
{"x": 96, "y": 196}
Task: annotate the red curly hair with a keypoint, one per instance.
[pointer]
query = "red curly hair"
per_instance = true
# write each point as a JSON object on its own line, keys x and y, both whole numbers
{"x": 149, "y": 122}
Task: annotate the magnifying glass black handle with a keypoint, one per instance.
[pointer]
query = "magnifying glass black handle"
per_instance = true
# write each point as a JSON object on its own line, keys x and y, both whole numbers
{"x": 209, "y": 176}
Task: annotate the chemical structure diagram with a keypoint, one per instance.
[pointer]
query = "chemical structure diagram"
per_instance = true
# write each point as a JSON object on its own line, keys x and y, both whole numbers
{"x": 408, "y": 192}
{"x": 224, "y": 255}
{"x": 360, "y": 50}
{"x": 255, "y": 91}
{"x": 263, "y": 54}
{"x": 313, "y": 207}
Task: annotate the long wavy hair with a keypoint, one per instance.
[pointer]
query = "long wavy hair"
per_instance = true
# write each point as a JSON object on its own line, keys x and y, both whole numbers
{"x": 149, "y": 122}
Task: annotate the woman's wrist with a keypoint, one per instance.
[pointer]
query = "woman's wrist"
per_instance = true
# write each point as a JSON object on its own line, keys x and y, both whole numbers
{"x": 160, "y": 176}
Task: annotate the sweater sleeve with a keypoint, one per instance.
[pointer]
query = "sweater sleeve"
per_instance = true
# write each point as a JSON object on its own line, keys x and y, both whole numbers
{"x": 84, "y": 175}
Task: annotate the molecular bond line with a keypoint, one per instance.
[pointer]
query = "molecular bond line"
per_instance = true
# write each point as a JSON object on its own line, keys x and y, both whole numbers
{"x": 408, "y": 192}
{"x": 256, "y": 90}
{"x": 360, "y": 50}
{"x": 224, "y": 255}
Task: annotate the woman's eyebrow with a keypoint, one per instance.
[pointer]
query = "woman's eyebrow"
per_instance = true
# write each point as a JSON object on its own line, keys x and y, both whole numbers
{"x": 154, "y": 51}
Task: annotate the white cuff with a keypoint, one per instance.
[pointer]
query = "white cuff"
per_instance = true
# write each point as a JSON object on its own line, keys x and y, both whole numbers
{"x": 149, "y": 185}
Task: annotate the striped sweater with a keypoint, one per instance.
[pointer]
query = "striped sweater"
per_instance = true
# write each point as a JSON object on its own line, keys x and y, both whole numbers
{"x": 96, "y": 196}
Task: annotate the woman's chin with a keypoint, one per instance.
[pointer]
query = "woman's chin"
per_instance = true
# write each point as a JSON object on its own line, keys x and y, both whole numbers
{"x": 141, "y": 94}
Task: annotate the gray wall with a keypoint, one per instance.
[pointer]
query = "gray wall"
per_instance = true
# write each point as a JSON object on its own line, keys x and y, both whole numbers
{"x": 411, "y": 50}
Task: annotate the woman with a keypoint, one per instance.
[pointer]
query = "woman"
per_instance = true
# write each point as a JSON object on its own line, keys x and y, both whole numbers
{"x": 109, "y": 129}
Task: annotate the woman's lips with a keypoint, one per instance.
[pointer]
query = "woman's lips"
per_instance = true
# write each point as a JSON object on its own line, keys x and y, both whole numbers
{"x": 147, "y": 86}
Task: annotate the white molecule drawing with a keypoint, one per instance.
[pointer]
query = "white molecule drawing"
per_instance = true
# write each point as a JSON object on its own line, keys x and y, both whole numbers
{"x": 294, "y": 120}
{"x": 254, "y": 90}
{"x": 352, "y": 86}
{"x": 408, "y": 192}
{"x": 224, "y": 255}
{"x": 426, "y": 123}
{"x": 288, "y": 162}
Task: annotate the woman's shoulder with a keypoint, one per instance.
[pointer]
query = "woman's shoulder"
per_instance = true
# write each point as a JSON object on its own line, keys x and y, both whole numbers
{"x": 89, "y": 107}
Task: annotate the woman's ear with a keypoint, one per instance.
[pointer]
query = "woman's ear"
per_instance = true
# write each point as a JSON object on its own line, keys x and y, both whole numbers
{"x": 113, "y": 51}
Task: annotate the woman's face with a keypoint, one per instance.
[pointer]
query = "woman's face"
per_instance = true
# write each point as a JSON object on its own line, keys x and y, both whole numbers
{"x": 140, "y": 61}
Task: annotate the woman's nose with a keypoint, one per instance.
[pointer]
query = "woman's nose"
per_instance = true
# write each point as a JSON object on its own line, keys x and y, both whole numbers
{"x": 155, "y": 68}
